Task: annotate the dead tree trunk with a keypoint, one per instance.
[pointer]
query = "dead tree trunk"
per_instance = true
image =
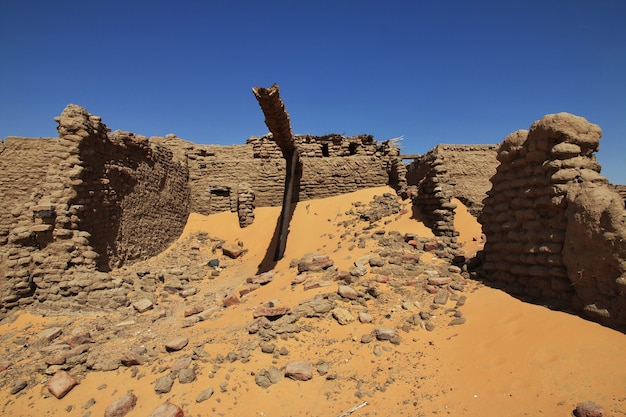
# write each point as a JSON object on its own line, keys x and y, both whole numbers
{"x": 277, "y": 121}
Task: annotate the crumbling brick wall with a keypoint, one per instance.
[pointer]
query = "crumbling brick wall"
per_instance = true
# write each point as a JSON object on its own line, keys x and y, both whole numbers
{"x": 97, "y": 201}
{"x": 331, "y": 165}
{"x": 446, "y": 172}
{"x": 555, "y": 228}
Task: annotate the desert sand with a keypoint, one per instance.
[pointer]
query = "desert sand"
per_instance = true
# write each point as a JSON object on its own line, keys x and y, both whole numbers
{"x": 509, "y": 358}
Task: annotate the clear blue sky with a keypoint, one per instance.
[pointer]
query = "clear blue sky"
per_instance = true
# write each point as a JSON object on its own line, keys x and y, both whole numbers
{"x": 441, "y": 71}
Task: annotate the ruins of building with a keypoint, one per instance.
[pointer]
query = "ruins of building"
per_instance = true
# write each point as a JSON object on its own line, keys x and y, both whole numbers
{"x": 555, "y": 227}
{"x": 447, "y": 172}
{"x": 77, "y": 206}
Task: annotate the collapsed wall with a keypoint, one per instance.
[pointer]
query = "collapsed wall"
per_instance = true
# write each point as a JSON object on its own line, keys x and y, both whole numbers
{"x": 88, "y": 203}
{"x": 446, "y": 172}
{"x": 555, "y": 228}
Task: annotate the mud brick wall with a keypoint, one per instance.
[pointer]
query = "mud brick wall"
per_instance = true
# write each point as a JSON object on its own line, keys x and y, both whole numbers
{"x": 555, "y": 228}
{"x": 446, "y": 172}
{"x": 95, "y": 202}
{"x": 331, "y": 165}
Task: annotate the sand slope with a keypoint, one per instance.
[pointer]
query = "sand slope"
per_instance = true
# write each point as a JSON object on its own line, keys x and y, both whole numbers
{"x": 509, "y": 358}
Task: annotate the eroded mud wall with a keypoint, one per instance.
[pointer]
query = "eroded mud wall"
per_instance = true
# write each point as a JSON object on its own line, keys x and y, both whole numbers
{"x": 96, "y": 202}
{"x": 555, "y": 228}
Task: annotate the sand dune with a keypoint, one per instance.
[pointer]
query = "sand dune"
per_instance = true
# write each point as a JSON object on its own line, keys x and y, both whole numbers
{"x": 509, "y": 358}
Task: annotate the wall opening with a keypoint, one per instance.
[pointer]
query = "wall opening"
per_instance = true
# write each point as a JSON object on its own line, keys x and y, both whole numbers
{"x": 325, "y": 149}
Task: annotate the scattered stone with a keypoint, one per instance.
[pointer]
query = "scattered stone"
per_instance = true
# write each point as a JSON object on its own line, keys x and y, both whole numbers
{"x": 232, "y": 250}
{"x": 18, "y": 385}
{"x": 176, "y": 344}
{"x": 163, "y": 385}
{"x": 262, "y": 279}
{"x": 121, "y": 406}
{"x": 181, "y": 363}
{"x": 274, "y": 375}
{"x": 314, "y": 262}
{"x": 366, "y": 338}
{"x": 50, "y": 334}
{"x": 204, "y": 395}
{"x": 441, "y": 297}
{"x": 187, "y": 292}
{"x": 439, "y": 280}
{"x": 589, "y": 409}
{"x": 384, "y": 333}
{"x": 347, "y": 292}
{"x": 61, "y": 383}
{"x": 358, "y": 271}
{"x": 322, "y": 368}
{"x": 457, "y": 321}
{"x": 167, "y": 409}
{"x": 267, "y": 347}
{"x": 299, "y": 370}
{"x": 376, "y": 261}
{"x": 4, "y": 365}
{"x": 186, "y": 375}
{"x": 270, "y": 311}
{"x": 365, "y": 317}
{"x": 231, "y": 299}
{"x": 342, "y": 315}
{"x": 262, "y": 379}
{"x": 143, "y": 305}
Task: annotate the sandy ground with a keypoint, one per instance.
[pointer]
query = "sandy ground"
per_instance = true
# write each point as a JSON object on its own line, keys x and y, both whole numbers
{"x": 509, "y": 358}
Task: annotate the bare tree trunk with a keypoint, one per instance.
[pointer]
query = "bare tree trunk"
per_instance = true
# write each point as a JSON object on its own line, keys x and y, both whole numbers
{"x": 277, "y": 121}
{"x": 276, "y": 117}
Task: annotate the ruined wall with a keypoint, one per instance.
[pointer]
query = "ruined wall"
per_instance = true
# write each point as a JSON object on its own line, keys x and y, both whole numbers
{"x": 556, "y": 230}
{"x": 331, "y": 165}
{"x": 446, "y": 172}
{"x": 97, "y": 202}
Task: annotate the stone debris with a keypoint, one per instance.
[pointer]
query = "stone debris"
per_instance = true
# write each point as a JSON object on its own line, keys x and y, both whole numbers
{"x": 176, "y": 344}
{"x": 204, "y": 395}
{"x": 589, "y": 409}
{"x": 299, "y": 370}
{"x": 61, "y": 383}
{"x": 122, "y": 406}
{"x": 167, "y": 409}
{"x": 143, "y": 305}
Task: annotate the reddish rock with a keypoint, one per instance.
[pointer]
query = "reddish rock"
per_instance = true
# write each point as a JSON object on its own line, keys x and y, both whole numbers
{"x": 193, "y": 310}
{"x": 413, "y": 243}
{"x": 261, "y": 279}
{"x": 231, "y": 299}
{"x": 431, "y": 245}
{"x": 410, "y": 257}
{"x": 347, "y": 291}
{"x": 80, "y": 339}
{"x": 589, "y": 409}
{"x": 204, "y": 315}
{"x": 176, "y": 344}
{"x": 382, "y": 280}
{"x": 315, "y": 263}
{"x": 411, "y": 282}
{"x": 232, "y": 250}
{"x": 61, "y": 383}
{"x": 430, "y": 289}
{"x": 439, "y": 280}
{"x": 365, "y": 317}
{"x": 4, "y": 365}
{"x": 121, "y": 406}
{"x": 270, "y": 311}
{"x": 299, "y": 370}
{"x": 167, "y": 409}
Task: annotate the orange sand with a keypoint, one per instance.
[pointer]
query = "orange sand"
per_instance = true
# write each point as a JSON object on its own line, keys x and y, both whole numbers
{"x": 510, "y": 358}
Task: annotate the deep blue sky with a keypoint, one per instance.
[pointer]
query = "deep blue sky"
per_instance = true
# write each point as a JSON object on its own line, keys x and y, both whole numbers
{"x": 441, "y": 71}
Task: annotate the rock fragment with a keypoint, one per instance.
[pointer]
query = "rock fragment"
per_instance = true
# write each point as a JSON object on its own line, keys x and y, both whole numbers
{"x": 299, "y": 370}
{"x": 121, "y": 406}
{"x": 61, "y": 383}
